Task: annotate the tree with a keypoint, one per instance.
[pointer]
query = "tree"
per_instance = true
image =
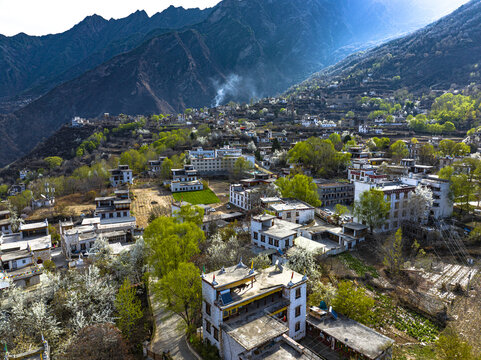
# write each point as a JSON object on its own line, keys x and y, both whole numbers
{"x": 427, "y": 154}
{"x": 399, "y": 150}
{"x": 241, "y": 167}
{"x": 53, "y": 162}
{"x": 21, "y": 201}
{"x": 420, "y": 203}
{"x": 300, "y": 187}
{"x": 340, "y": 210}
{"x": 393, "y": 257}
{"x": 170, "y": 243}
{"x": 336, "y": 140}
{"x": 446, "y": 173}
{"x": 320, "y": 156}
{"x": 98, "y": 342}
{"x": 189, "y": 213}
{"x": 276, "y": 146}
{"x": 372, "y": 209}
{"x": 165, "y": 169}
{"x": 353, "y": 302}
{"x": 181, "y": 292}
{"x": 129, "y": 309}
{"x": 251, "y": 147}
{"x": 450, "y": 346}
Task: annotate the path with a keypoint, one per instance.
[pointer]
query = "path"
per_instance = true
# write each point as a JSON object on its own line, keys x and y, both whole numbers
{"x": 168, "y": 336}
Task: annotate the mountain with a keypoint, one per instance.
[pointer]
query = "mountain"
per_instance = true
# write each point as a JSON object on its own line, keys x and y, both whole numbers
{"x": 444, "y": 54}
{"x": 242, "y": 49}
{"x": 32, "y": 65}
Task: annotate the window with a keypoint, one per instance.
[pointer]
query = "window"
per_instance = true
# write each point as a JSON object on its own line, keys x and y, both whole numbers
{"x": 256, "y": 235}
{"x": 216, "y": 333}
{"x": 298, "y": 311}
{"x": 298, "y": 293}
{"x": 207, "y": 326}
{"x": 271, "y": 241}
{"x": 82, "y": 247}
{"x": 276, "y": 243}
{"x": 288, "y": 215}
{"x": 207, "y": 308}
{"x": 298, "y": 326}
{"x": 263, "y": 238}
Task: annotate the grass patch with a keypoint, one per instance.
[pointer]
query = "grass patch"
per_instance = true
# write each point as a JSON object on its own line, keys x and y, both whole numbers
{"x": 205, "y": 196}
{"x": 416, "y": 326}
{"x": 357, "y": 265}
{"x": 417, "y": 351}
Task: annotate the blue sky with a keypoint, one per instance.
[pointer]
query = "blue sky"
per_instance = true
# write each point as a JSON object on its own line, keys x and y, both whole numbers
{"x": 40, "y": 17}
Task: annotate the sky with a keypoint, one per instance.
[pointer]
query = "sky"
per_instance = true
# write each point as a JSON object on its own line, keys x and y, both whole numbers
{"x": 41, "y": 17}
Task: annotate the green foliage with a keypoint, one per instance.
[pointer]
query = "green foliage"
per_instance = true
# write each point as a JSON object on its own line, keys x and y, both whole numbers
{"x": 181, "y": 292}
{"x": 53, "y": 161}
{"x": 451, "y": 346}
{"x": 393, "y": 255}
{"x": 300, "y": 187}
{"x": 421, "y": 124}
{"x": 194, "y": 214}
{"x": 128, "y": 127}
{"x": 3, "y": 191}
{"x": 458, "y": 109}
{"x": 203, "y": 130}
{"x": 128, "y": 307}
{"x": 427, "y": 154}
{"x": 172, "y": 139}
{"x": 136, "y": 160}
{"x": 21, "y": 201}
{"x": 451, "y": 148}
{"x": 171, "y": 243}
{"x": 416, "y": 326}
{"x": 165, "y": 169}
{"x": 372, "y": 209}
{"x": 90, "y": 144}
{"x": 357, "y": 265}
{"x": 205, "y": 196}
{"x": 320, "y": 156}
{"x": 399, "y": 150}
{"x": 446, "y": 173}
{"x": 353, "y": 302}
{"x": 241, "y": 167}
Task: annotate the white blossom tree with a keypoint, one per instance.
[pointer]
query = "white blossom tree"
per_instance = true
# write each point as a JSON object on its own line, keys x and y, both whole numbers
{"x": 420, "y": 204}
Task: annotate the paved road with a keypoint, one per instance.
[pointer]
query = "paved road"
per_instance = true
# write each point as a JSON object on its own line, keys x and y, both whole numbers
{"x": 169, "y": 334}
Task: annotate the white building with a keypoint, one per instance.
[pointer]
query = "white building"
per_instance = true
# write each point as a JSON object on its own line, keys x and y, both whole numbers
{"x": 442, "y": 205}
{"x": 185, "y": 180}
{"x": 293, "y": 210}
{"x": 219, "y": 161}
{"x": 121, "y": 176}
{"x": 245, "y": 311}
{"x": 268, "y": 232}
{"x": 397, "y": 194}
{"x": 5, "y": 222}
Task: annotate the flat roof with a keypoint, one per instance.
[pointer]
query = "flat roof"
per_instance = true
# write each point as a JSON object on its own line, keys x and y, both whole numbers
{"x": 229, "y": 275}
{"x": 285, "y": 351}
{"x": 355, "y": 226}
{"x": 291, "y": 204}
{"x": 256, "y": 332}
{"x": 264, "y": 217}
{"x": 14, "y": 255}
{"x": 282, "y": 229}
{"x": 315, "y": 245}
{"x": 33, "y": 226}
{"x": 358, "y": 337}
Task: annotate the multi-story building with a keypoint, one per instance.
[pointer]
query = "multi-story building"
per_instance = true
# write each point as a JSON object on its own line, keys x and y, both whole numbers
{"x": 293, "y": 210}
{"x": 247, "y": 313}
{"x": 247, "y": 193}
{"x": 397, "y": 194}
{"x": 442, "y": 202}
{"x": 269, "y": 232}
{"x": 219, "y": 161}
{"x": 20, "y": 254}
{"x": 363, "y": 171}
{"x": 5, "y": 222}
{"x": 332, "y": 193}
{"x": 121, "y": 176}
{"x": 185, "y": 179}
{"x": 113, "y": 207}
{"x": 155, "y": 166}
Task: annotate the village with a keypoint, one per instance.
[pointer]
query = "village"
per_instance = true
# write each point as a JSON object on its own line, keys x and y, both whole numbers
{"x": 312, "y": 226}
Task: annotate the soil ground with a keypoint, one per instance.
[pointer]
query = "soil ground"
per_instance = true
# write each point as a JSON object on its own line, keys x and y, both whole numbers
{"x": 145, "y": 199}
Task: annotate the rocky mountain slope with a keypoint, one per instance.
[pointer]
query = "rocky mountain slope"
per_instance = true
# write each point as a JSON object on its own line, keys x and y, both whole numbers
{"x": 31, "y": 65}
{"x": 442, "y": 55}
{"x": 243, "y": 49}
